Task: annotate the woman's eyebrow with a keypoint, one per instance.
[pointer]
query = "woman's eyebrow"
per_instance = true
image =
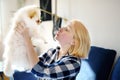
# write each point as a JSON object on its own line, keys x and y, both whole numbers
{"x": 69, "y": 27}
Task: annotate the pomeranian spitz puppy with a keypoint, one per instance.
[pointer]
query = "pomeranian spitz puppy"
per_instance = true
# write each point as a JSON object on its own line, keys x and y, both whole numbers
{"x": 15, "y": 54}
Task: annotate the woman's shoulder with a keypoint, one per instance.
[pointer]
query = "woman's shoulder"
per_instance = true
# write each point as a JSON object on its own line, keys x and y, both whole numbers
{"x": 72, "y": 58}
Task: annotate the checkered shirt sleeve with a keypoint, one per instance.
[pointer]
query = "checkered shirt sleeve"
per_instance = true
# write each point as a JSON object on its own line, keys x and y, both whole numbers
{"x": 46, "y": 57}
{"x": 68, "y": 66}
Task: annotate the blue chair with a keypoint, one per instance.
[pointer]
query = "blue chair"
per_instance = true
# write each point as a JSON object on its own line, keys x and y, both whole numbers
{"x": 98, "y": 66}
{"x": 24, "y": 76}
{"x": 116, "y": 71}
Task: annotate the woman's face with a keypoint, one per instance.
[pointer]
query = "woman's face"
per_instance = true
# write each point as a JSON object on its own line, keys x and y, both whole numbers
{"x": 65, "y": 35}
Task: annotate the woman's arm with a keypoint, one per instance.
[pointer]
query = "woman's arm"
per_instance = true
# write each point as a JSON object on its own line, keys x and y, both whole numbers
{"x": 32, "y": 55}
{"x": 66, "y": 67}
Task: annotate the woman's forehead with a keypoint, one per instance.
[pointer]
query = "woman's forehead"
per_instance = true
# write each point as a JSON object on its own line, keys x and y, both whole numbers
{"x": 68, "y": 25}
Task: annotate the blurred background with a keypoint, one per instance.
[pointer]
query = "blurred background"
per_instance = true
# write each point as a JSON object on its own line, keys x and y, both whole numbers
{"x": 101, "y": 17}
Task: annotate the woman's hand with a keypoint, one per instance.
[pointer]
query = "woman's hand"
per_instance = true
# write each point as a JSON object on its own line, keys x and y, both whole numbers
{"x": 32, "y": 55}
{"x": 24, "y": 31}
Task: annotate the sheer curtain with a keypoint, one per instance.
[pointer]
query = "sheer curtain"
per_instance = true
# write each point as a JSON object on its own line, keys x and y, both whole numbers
{"x": 0, "y": 20}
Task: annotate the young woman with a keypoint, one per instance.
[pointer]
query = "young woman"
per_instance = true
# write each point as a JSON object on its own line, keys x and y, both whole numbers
{"x": 62, "y": 63}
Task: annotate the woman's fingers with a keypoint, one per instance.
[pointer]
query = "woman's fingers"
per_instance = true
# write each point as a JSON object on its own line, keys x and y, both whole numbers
{"x": 20, "y": 27}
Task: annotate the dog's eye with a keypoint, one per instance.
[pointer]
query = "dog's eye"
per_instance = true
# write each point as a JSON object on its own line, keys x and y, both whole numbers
{"x": 38, "y": 21}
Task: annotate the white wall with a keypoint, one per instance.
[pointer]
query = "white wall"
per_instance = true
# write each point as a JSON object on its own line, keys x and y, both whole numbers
{"x": 101, "y": 17}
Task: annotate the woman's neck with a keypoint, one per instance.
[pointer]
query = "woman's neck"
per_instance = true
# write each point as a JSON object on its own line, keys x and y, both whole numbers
{"x": 63, "y": 51}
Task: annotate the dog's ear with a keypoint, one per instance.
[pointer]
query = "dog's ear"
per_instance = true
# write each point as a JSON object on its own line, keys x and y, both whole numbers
{"x": 32, "y": 13}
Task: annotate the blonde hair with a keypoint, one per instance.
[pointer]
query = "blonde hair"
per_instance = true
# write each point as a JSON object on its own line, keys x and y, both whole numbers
{"x": 82, "y": 40}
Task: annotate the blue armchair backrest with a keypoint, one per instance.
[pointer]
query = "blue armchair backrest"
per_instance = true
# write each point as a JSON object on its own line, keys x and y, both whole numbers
{"x": 98, "y": 66}
{"x": 116, "y": 71}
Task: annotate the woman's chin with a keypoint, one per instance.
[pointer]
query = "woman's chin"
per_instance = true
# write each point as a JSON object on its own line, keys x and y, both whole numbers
{"x": 56, "y": 38}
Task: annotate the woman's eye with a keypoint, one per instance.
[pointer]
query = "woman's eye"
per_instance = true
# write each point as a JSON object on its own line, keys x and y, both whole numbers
{"x": 66, "y": 29}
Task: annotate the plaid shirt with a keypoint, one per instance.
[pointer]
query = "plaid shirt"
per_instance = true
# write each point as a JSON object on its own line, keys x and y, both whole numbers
{"x": 49, "y": 68}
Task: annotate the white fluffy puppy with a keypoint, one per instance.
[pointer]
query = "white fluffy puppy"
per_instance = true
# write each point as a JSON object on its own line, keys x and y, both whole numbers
{"x": 15, "y": 54}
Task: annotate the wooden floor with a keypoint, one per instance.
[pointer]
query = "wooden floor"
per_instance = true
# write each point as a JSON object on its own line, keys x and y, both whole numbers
{"x": 4, "y": 77}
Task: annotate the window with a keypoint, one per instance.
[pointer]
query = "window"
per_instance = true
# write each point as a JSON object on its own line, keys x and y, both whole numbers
{"x": 0, "y": 19}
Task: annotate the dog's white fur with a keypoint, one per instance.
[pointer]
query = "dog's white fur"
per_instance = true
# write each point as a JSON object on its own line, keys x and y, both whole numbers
{"x": 15, "y": 54}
